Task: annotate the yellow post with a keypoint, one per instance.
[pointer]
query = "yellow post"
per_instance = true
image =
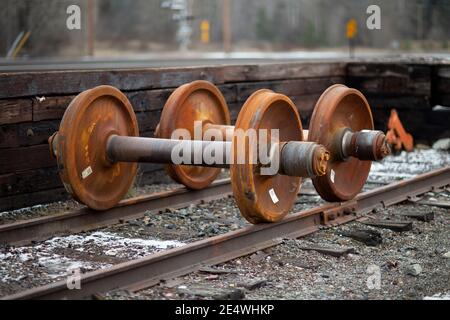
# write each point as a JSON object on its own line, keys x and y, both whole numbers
{"x": 352, "y": 28}
{"x": 351, "y": 31}
{"x": 204, "y": 28}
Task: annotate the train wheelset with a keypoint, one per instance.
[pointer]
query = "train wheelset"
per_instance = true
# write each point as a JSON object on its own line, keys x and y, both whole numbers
{"x": 98, "y": 146}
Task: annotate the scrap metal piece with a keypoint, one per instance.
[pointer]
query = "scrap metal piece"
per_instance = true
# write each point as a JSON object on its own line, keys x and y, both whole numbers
{"x": 397, "y": 136}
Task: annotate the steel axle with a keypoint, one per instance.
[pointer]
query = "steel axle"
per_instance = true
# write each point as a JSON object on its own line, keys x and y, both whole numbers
{"x": 296, "y": 158}
{"x": 363, "y": 145}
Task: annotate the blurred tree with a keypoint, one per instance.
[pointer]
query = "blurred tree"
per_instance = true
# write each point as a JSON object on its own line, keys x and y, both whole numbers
{"x": 143, "y": 25}
{"x": 264, "y": 30}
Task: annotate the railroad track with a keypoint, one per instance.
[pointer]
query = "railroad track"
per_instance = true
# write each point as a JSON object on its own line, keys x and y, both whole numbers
{"x": 85, "y": 219}
{"x": 142, "y": 273}
{"x": 27, "y": 231}
{"x": 38, "y": 229}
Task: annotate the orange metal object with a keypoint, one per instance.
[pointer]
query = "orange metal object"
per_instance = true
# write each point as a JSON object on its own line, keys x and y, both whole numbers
{"x": 340, "y": 107}
{"x": 397, "y": 136}
{"x": 263, "y": 198}
{"x": 196, "y": 101}
{"x": 80, "y": 147}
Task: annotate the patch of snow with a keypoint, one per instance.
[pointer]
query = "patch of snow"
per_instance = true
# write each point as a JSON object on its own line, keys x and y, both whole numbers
{"x": 24, "y": 257}
{"x": 439, "y": 296}
{"x": 15, "y": 263}
{"x": 5, "y": 256}
{"x": 112, "y": 242}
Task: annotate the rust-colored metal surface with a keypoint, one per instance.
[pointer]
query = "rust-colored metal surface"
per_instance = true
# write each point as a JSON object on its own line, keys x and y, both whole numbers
{"x": 195, "y": 101}
{"x": 397, "y": 136}
{"x": 145, "y": 272}
{"x": 80, "y": 147}
{"x": 225, "y": 130}
{"x": 340, "y": 107}
{"x": 264, "y": 198}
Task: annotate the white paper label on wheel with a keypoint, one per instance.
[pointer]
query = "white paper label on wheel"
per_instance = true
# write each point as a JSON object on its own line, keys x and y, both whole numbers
{"x": 273, "y": 196}
{"x": 332, "y": 175}
{"x": 86, "y": 172}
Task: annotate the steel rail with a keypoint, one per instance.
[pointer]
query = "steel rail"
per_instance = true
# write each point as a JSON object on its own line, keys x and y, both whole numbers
{"x": 85, "y": 219}
{"x": 27, "y": 231}
{"x": 147, "y": 271}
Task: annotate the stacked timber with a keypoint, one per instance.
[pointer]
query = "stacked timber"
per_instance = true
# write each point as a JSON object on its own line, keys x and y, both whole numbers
{"x": 33, "y": 103}
{"x": 413, "y": 88}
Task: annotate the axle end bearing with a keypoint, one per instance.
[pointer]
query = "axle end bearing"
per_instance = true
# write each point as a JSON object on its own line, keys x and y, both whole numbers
{"x": 304, "y": 159}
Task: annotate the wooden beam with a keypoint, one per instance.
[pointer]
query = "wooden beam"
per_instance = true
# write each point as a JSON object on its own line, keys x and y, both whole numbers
{"x": 398, "y": 226}
{"x": 15, "y": 111}
{"x": 26, "y": 84}
{"x": 26, "y": 158}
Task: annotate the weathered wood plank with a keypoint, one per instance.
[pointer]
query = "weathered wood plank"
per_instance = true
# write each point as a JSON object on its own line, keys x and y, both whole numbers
{"x": 418, "y": 122}
{"x": 390, "y": 85}
{"x": 305, "y": 104}
{"x": 275, "y": 71}
{"x": 15, "y": 111}
{"x": 368, "y": 69}
{"x": 34, "y": 198}
{"x": 441, "y": 94}
{"x": 149, "y": 100}
{"x": 27, "y": 133}
{"x": 53, "y": 107}
{"x": 34, "y": 133}
{"x": 25, "y": 181}
{"x": 330, "y": 251}
{"x": 398, "y": 101}
{"x": 443, "y": 71}
{"x": 442, "y": 99}
{"x": 443, "y": 85}
{"x": 148, "y": 121}
{"x": 390, "y": 78}
{"x": 72, "y": 82}
{"x": 49, "y": 108}
{"x": 290, "y": 88}
{"x": 425, "y": 216}
{"x": 26, "y": 158}
{"x": 234, "y": 108}
{"x": 368, "y": 237}
{"x": 440, "y": 118}
{"x": 398, "y": 226}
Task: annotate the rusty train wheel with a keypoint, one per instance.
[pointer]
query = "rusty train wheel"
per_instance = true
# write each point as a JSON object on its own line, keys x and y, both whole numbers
{"x": 81, "y": 147}
{"x": 263, "y": 198}
{"x": 195, "y": 101}
{"x": 339, "y": 107}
